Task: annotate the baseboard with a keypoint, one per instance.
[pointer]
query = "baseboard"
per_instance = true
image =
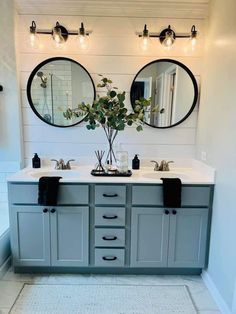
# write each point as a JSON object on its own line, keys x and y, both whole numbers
{"x": 5, "y": 266}
{"x": 215, "y": 293}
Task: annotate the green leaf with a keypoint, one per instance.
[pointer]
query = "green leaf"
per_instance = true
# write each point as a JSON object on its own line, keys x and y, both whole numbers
{"x": 139, "y": 128}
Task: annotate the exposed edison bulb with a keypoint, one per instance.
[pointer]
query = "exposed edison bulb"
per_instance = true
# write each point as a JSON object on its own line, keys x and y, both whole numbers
{"x": 193, "y": 37}
{"x": 83, "y": 37}
{"x": 169, "y": 40}
{"x": 57, "y": 37}
{"x": 33, "y": 40}
{"x": 83, "y": 41}
{"x": 145, "y": 42}
{"x": 193, "y": 41}
{"x": 145, "y": 39}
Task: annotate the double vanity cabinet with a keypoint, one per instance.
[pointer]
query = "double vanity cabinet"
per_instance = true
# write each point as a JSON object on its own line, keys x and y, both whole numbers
{"x": 110, "y": 228}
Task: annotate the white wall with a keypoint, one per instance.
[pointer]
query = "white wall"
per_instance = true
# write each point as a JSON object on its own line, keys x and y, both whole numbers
{"x": 114, "y": 52}
{"x": 217, "y": 137}
{"x": 10, "y": 135}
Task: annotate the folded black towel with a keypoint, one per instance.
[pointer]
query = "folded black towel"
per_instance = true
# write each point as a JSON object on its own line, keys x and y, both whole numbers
{"x": 172, "y": 192}
{"x": 48, "y": 190}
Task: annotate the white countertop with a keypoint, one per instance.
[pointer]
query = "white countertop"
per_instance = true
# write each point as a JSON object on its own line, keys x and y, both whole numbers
{"x": 195, "y": 173}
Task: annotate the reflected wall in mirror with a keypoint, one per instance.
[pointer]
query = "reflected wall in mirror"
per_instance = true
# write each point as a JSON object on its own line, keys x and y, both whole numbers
{"x": 57, "y": 84}
{"x": 173, "y": 91}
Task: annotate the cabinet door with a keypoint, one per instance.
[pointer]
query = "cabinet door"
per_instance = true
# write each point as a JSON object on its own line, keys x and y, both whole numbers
{"x": 187, "y": 237}
{"x": 69, "y": 236}
{"x": 30, "y": 236}
{"x": 149, "y": 237}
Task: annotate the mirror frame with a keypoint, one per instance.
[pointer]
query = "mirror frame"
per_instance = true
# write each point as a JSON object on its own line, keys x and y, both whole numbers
{"x": 195, "y": 86}
{"x": 30, "y": 80}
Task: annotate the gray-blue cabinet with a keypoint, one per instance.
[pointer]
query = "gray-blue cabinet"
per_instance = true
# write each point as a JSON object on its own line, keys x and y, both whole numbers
{"x": 149, "y": 237}
{"x": 103, "y": 227}
{"x": 187, "y": 237}
{"x": 30, "y": 235}
{"x": 55, "y": 236}
{"x": 174, "y": 238}
{"x": 69, "y": 236}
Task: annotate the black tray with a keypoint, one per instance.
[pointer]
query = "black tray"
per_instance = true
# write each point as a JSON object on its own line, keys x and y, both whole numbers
{"x": 111, "y": 174}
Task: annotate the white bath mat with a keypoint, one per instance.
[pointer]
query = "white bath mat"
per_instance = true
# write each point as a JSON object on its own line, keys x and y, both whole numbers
{"x": 103, "y": 299}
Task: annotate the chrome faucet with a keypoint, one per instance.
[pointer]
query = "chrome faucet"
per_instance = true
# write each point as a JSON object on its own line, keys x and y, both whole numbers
{"x": 60, "y": 164}
{"x": 164, "y": 165}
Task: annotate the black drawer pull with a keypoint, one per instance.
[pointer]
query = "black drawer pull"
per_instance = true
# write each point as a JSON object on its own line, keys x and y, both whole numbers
{"x": 45, "y": 210}
{"x": 174, "y": 212}
{"x": 109, "y": 258}
{"x": 110, "y": 217}
{"x": 110, "y": 195}
{"x": 53, "y": 210}
{"x": 167, "y": 212}
{"x": 109, "y": 238}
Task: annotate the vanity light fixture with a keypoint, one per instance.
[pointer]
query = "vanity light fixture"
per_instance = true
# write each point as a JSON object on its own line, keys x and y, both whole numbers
{"x": 59, "y": 34}
{"x": 167, "y": 36}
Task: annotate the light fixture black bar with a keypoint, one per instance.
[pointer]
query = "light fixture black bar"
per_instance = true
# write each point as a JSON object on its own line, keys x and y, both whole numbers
{"x": 49, "y": 32}
{"x": 157, "y": 35}
{"x": 154, "y": 35}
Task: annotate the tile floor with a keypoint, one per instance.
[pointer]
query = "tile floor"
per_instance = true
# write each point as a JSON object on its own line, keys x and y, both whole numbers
{"x": 11, "y": 284}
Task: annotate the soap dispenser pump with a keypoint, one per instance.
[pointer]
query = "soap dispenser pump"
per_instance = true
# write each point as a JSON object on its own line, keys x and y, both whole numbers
{"x": 36, "y": 161}
{"x": 135, "y": 163}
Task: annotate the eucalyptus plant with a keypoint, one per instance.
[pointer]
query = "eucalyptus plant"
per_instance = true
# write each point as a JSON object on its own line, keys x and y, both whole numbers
{"x": 110, "y": 113}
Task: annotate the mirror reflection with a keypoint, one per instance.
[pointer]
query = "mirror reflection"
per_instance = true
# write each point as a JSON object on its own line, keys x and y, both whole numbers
{"x": 56, "y": 85}
{"x": 173, "y": 91}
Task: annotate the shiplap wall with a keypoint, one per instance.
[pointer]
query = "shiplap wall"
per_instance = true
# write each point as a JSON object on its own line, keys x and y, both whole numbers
{"x": 114, "y": 52}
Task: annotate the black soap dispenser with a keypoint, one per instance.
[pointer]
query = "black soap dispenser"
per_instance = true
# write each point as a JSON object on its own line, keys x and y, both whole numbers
{"x": 135, "y": 163}
{"x": 36, "y": 161}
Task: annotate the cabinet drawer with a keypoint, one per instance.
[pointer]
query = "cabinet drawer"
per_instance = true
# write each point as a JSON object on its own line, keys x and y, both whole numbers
{"x": 67, "y": 194}
{"x": 110, "y": 194}
{"x": 109, "y": 237}
{"x": 110, "y": 257}
{"x": 110, "y": 216}
{"x": 152, "y": 195}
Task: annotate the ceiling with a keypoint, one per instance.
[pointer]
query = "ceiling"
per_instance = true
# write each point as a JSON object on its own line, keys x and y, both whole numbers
{"x": 132, "y": 8}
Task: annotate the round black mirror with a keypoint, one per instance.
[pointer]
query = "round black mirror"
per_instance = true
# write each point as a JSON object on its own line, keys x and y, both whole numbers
{"x": 57, "y": 84}
{"x": 173, "y": 90}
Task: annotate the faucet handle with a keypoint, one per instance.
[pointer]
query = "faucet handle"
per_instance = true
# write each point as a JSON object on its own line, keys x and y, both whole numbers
{"x": 68, "y": 164}
{"x": 167, "y": 165}
{"x": 57, "y": 163}
{"x": 156, "y": 167}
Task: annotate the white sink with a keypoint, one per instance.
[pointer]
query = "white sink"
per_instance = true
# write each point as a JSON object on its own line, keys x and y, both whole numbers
{"x": 54, "y": 173}
{"x": 164, "y": 174}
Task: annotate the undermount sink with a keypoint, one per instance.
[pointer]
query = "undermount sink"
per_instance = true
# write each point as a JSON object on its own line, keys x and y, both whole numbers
{"x": 164, "y": 174}
{"x": 57, "y": 173}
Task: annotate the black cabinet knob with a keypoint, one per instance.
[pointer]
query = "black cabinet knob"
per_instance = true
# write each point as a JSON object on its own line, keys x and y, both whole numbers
{"x": 174, "y": 212}
{"x": 45, "y": 210}
{"x": 53, "y": 210}
{"x": 167, "y": 212}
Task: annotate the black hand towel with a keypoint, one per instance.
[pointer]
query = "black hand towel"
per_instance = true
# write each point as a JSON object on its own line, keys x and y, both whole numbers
{"x": 48, "y": 190}
{"x": 172, "y": 192}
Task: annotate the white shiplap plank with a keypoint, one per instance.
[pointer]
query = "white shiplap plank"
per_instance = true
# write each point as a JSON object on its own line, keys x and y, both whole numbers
{"x": 108, "y": 64}
{"x": 80, "y": 135}
{"x": 49, "y": 150}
